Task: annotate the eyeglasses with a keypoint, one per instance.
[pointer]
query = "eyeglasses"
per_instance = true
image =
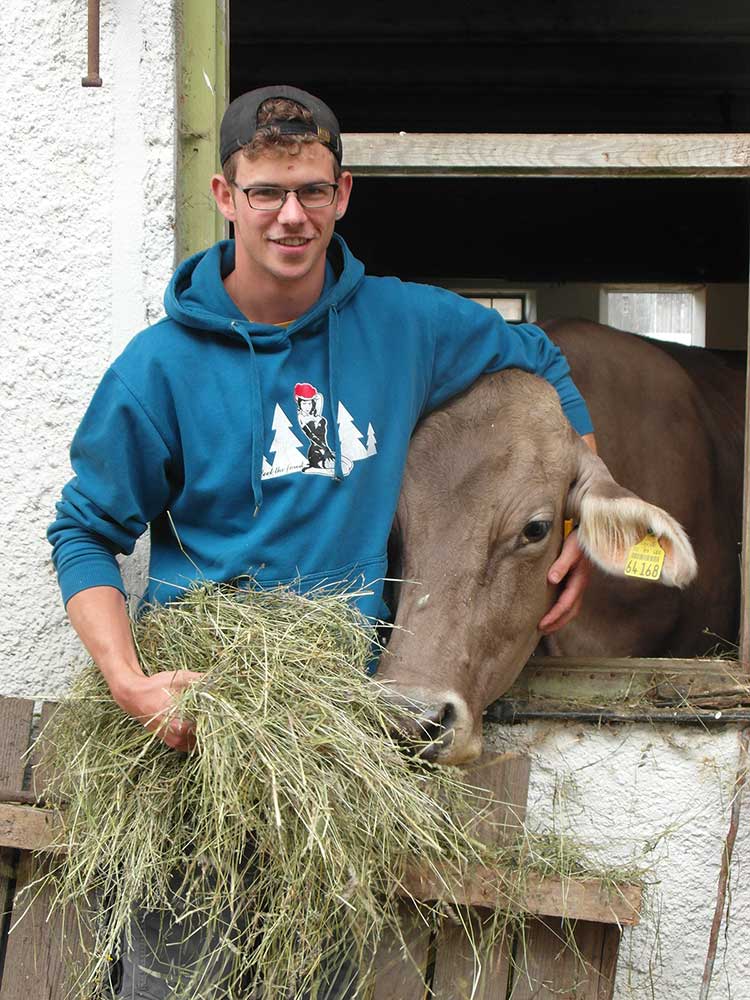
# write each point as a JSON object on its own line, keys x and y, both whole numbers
{"x": 265, "y": 198}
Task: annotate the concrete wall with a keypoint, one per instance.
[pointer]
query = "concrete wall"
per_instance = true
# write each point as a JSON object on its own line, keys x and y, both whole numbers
{"x": 87, "y": 209}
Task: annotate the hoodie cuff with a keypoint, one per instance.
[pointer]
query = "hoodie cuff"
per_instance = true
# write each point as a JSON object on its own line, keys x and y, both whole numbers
{"x": 98, "y": 574}
{"x": 578, "y": 415}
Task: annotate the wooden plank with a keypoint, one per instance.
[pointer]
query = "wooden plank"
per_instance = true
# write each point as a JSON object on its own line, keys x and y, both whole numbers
{"x": 575, "y": 899}
{"x": 701, "y": 690}
{"x": 584, "y": 899}
{"x": 456, "y": 965}
{"x": 519, "y": 155}
{"x": 608, "y": 969}
{"x": 401, "y": 967}
{"x": 40, "y": 778}
{"x": 43, "y": 949}
{"x": 505, "y": 779}
{"x": 27, "y": 828}
{"x": 8, "y": 865}
{"x": 637, "y": 665}
{"x": 565, "y": 963}
{"x": 15, "y": 731}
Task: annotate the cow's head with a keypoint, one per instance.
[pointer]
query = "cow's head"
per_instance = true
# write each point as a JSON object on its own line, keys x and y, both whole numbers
{"x": 490, "y": 479}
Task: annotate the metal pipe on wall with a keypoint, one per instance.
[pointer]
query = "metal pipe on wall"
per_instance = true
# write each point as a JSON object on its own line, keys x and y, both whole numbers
{"x": 92, "y": 78}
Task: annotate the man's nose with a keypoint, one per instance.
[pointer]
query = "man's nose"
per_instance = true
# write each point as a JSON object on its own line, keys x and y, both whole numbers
{"x": 291, "y": 211}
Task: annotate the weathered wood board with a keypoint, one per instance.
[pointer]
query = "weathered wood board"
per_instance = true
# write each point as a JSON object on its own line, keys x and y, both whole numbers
{"x": 520, "y": 155}
{"x": 547, "y": 964}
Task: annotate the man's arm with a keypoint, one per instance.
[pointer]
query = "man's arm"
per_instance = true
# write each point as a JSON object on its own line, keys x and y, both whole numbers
{"x": 573, "y": 567}
{"x": 99, "y": 616}
{"x": 471, "y": 340}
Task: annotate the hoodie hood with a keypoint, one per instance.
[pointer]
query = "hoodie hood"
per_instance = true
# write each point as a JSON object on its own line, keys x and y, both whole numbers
{"x": 196, "y": 298}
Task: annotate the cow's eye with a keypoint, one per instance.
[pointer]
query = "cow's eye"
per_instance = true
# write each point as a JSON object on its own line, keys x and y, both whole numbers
{"x": 535, "y": 531}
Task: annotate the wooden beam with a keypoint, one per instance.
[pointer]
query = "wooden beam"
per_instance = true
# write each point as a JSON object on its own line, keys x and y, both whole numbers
{"x": 26, "y": 827}
{"x": 699, "y": 691}
{"x": 32, "y": 828}
{"x": 517, "y": 155}
{"x": 203, "y": 89}
{"x": 575, "y": 899}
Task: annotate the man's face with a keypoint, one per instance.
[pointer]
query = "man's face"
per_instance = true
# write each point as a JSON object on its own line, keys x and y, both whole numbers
{"x": 287, "y": 244}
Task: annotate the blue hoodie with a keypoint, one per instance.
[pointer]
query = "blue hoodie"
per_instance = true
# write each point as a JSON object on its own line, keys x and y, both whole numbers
{"x": 273, "y": 451}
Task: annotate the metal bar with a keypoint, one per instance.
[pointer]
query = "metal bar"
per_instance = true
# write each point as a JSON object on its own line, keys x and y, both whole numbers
{"x": 92, "y": 78}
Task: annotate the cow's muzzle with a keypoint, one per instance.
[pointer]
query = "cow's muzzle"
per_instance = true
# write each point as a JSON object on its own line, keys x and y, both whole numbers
{"x": 438, "y": 729}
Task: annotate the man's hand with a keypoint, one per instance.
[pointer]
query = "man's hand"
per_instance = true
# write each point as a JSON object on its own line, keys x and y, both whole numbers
{"x": 150, "y": 701}
{"x": 573, "y": 566}
{"x": 100, "y": 618}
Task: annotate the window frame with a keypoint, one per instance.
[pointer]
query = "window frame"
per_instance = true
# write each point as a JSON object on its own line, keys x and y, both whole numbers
{"x": 699, "y": 303}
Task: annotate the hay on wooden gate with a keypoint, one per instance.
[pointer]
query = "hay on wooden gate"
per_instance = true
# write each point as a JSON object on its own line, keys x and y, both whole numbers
{"x": 281, "y": 839}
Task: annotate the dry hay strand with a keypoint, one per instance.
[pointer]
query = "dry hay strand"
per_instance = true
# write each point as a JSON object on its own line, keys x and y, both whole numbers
{"x": 280, "y": 841}
{"x": 277, "y": 848}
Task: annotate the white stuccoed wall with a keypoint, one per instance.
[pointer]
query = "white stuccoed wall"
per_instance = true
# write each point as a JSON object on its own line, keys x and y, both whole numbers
{"x": 87, "y": 210}
{"x": 87, "y": 205}
{"x": 658, "y": 795}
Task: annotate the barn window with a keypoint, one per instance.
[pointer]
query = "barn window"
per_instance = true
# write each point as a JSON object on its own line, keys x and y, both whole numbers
{"x": 671, "y": 312}
{"x": 512, "y": 306}
{"x": 516, "y": 305}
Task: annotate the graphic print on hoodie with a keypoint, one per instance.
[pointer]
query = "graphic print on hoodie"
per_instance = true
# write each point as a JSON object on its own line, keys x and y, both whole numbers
{"x": 319, "y": 459}
{"x": 240, "y": 445}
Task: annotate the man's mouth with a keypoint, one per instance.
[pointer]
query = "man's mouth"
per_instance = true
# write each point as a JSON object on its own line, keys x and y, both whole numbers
{"x": 291, "y": 241}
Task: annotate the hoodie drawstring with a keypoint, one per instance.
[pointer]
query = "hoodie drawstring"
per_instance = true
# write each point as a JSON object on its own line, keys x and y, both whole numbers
{"x": 256, "y": 407}
{"x": 333, "y": 344}
{"x": 258, "y": 430}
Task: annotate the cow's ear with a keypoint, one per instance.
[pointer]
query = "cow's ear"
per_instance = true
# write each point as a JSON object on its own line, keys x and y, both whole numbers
{"x": 612, "y": 519}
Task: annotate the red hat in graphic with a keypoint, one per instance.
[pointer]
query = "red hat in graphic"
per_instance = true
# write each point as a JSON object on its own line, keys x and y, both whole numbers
{"x": 303, "y": 390}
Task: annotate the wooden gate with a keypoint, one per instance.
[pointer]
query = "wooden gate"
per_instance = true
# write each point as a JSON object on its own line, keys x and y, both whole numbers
{"x": 566, "y": 950}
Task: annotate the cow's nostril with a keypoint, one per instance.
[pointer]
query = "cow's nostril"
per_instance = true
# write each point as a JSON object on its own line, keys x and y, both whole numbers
{"x": 449, "y": 715}
{"x": 427, "y": 731}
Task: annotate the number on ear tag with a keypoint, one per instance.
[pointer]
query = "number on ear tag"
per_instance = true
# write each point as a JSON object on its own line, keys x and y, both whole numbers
{"x": 645, "y": 559}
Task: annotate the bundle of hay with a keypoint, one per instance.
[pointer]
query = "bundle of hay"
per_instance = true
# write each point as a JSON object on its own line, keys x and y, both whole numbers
{"x": 280, "y": 841}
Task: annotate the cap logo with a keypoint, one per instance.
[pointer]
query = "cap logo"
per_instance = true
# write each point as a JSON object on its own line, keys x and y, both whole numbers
{"x": 323, "y": 134}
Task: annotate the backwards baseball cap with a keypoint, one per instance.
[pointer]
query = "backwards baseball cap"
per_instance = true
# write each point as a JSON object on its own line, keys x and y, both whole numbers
{"x": 240, "y": 121}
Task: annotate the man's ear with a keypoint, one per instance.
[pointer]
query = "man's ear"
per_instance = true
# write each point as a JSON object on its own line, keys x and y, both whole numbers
{"x": 343, "y": 194}
{"x": 611, "y": 520}
{"x": 223, "y": 194}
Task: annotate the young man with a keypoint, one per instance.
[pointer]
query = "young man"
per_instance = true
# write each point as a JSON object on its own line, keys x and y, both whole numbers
{"x": 234, "y": 427}
{"x": 191, "y": 430}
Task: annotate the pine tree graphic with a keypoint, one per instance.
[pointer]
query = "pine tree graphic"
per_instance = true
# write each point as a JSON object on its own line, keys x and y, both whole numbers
{"x": 372, "y": 444}
{"x": 285, "y": 448}
{"x": 350, "y": 436}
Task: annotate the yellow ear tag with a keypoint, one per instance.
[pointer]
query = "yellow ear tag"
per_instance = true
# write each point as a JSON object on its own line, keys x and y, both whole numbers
{"x": 645, "y": 559}
{"x": 567, "y": 527}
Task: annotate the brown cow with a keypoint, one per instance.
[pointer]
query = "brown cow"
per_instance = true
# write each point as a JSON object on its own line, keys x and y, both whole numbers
{"x": 488, "y": 482}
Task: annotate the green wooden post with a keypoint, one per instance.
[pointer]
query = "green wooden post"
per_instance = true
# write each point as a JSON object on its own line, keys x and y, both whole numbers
{"x": 203, "y": 89}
